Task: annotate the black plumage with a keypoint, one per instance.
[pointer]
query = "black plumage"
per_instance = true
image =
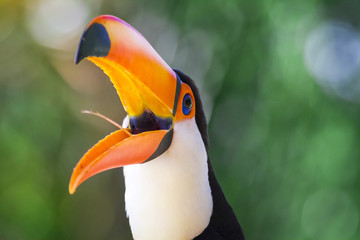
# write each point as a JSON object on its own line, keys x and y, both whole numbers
{"x": 223, "y": 223}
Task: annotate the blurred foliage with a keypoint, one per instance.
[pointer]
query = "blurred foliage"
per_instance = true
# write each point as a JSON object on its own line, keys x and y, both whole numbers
{"x": 284, "y": 147}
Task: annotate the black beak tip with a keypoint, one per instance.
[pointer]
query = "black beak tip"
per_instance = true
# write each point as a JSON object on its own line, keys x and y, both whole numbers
{"x": 95, "y": 42}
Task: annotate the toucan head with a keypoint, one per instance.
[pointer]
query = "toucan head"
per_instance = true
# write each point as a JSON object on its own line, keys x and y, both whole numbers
{"x": 153, "y": 95}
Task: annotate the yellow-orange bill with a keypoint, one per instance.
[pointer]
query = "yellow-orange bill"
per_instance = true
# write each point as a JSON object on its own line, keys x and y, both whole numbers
{"x": 118, "y": 149}
{"x": 141, "y": 77}
{"x": 145, "y": 84}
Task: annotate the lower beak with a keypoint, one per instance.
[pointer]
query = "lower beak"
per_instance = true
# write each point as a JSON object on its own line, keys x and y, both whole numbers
{"x": 118, "y": 149}
{"x": 148, "y": 89}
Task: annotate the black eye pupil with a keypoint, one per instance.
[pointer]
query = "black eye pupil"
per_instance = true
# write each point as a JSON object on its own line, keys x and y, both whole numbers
{"x": 188, "y": 102}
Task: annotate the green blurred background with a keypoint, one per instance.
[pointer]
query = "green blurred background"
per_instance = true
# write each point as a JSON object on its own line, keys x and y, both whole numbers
{"x": 280, "y": 81}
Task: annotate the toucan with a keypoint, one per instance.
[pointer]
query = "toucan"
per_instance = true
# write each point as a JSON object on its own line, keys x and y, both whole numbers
{"x": 171, "y": 189}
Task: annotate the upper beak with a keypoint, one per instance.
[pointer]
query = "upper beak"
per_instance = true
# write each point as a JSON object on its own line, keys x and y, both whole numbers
{"x": 141, "y": 77}
{"x": 145, "y": 85}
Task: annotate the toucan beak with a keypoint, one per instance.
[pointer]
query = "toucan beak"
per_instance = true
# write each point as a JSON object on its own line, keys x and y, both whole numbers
{"x": 141, "y": 77}
{"x": 147, "y": 87}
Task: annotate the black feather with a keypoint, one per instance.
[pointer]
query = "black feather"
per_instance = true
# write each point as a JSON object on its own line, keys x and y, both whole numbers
{"x": 223, "y": 223}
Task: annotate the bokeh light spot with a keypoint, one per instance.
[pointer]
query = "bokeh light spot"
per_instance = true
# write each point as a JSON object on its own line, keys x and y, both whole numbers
{"x": 332, "y": 56}
{"x": 54, "y": 23}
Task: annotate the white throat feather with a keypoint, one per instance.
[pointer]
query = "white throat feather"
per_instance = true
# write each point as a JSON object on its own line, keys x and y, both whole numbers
{"x": 170, "y": 197}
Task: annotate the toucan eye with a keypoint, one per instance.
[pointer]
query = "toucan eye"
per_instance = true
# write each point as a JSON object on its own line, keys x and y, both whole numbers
{"x": 187, "y": 104}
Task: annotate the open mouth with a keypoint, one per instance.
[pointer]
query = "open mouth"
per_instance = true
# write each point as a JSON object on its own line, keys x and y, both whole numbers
{"x": 148, "y": 121}
{"x": 148, "y": 89}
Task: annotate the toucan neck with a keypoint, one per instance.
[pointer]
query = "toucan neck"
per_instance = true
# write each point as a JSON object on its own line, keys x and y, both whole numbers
{"x": 223, "y": 222}
{"x": 170, "y": 197}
